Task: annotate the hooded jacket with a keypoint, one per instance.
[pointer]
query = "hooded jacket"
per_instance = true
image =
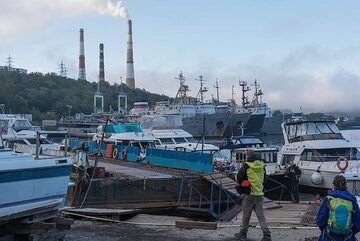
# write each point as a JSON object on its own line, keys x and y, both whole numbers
{"x": 323, "y": 216}
{"x": 253, "y": 170}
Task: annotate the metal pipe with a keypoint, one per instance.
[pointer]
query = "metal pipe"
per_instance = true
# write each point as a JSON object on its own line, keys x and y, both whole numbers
{"x": 66, "y": 145}
{"x": 37, "y": 147}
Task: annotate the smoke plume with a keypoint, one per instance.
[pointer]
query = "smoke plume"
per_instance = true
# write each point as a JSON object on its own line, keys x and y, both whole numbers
{"x": 16, "y": 13}
{"x": 113, "y": 8}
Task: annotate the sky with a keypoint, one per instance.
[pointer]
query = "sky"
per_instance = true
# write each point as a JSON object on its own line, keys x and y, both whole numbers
{"x": 303, "y": 53}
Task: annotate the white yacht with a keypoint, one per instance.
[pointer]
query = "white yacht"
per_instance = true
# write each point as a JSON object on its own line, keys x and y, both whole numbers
{"x": 125, "y": 135}
{"x": 178, "y": 139}
{"x": 31, "y": 185}
{"x": 321, "y": 152}
{"x": 17, "y": 132}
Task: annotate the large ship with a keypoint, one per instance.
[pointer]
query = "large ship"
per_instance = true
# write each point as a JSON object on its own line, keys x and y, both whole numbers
{"x": 214, "y": 120}
{"x": 259, "y": 110}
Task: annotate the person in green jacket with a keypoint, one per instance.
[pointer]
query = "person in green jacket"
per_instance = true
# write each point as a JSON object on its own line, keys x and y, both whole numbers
{"x": 253, "y": 171}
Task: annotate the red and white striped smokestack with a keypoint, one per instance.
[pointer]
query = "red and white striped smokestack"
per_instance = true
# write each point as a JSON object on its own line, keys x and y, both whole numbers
{"x": 82, "y": 72}
{"x": 101, "y": 64}
{"x": 130, "y": 77}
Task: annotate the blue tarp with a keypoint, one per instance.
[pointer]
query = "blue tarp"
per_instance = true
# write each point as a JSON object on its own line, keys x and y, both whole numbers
{"x": 192, "y": 161}
{"x": 123, "y": 128}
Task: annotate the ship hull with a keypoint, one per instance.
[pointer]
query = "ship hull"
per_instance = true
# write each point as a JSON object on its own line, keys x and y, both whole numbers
{"x": 216, "y": 126}
{"x": 254, "y": 126}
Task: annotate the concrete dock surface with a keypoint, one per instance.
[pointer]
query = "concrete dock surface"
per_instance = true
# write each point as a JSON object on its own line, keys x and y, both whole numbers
{"x": 148, "y": 230}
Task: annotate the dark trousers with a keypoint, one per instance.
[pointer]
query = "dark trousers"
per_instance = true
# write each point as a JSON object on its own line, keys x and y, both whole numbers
{"x": 256, "y": 203}
{"x": 294, "y": 191}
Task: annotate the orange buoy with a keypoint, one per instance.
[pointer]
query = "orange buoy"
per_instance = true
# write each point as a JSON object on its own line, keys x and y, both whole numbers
{"x": 109, "y": 150}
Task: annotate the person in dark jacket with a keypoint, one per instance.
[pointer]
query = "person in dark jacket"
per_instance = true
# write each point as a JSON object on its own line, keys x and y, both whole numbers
{"x": 253, "y": 172}
{"x": 322, "y": 219}
{"x": 294, "y": 174}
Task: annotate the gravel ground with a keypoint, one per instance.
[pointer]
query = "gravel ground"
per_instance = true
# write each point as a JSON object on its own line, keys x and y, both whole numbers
{"x": 100, "y": 231}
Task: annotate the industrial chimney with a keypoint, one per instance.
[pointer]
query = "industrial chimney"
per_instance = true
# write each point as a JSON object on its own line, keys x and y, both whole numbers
{"x": 101, "y": 64}
{"x": 82, "y": 72}
{"x": 130, "y": 77}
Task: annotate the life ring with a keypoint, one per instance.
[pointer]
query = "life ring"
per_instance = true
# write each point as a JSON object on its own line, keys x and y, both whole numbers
{"x": 338, "y": 162}
{"x": 123, "y": 154}
{"x": 115, "y": 153}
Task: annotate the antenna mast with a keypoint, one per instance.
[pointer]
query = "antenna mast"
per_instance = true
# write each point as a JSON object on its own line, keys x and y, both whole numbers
{"x": 216, "y": 86}
{"x": 202, "y": 90}
{"x": 257, "y": 94}
{"x": 244, "y": 89}
{"x": 183, "y": 89}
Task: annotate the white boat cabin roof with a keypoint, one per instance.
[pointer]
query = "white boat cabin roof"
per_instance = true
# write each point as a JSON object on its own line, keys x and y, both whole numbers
{"x": 300, "y": 131}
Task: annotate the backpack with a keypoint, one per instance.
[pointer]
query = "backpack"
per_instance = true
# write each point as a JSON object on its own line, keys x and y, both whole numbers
{"x": 340, "y": 215}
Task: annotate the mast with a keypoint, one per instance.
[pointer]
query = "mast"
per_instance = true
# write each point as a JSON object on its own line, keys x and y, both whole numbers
{"x": 216, "y": 86}
{"x": 202, "y": 90}
{"x": 257, "y": 94}
{"x": 244, "y": 89}
{"x": 183, "y": 89}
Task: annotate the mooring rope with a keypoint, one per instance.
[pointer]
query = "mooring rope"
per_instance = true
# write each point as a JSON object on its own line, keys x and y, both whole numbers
{"x": 220, "y": 225}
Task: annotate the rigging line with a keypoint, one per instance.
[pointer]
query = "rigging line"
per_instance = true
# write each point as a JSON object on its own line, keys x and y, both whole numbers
{"x": 95, "y": 164}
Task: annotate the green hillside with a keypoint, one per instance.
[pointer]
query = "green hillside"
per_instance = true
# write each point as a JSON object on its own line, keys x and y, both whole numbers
{"x": 46, "y": 96}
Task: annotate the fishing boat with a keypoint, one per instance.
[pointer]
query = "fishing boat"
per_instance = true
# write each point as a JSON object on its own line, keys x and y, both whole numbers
{"x": 31, "y": 185}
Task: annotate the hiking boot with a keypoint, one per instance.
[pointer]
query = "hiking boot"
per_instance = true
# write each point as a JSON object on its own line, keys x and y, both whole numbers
{"x": 241, "y": 236}
{"x": 266, "y": 237}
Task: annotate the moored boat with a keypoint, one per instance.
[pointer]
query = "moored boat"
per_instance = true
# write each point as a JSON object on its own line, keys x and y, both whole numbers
{"x": 31, "y": 185}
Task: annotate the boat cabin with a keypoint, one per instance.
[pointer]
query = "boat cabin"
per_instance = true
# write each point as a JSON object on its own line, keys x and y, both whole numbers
{"x": 125, "y": 135}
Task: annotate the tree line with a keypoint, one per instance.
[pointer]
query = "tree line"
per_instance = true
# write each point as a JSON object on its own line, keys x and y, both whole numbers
{"x": 47, "y": 96}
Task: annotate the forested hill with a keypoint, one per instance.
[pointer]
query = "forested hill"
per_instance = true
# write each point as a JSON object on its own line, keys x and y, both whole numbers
{"x": 46, "y": 96}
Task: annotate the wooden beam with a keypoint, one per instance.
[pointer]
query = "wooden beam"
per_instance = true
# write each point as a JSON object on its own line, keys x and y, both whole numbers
{"x": 196, "y": 225}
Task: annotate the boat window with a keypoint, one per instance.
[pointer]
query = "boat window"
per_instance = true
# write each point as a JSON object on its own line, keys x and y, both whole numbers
{"x": 323, "y": 127}
{"x": 329, "y": 155}
{"x": 286, "y": 159}
{"x": 292, "y": 131}
{"x": 4, "y": 124}
{"x": 333, "y": 127}
{"x": 157, "y": 142}
{"x": 302, "y": 130}
{"x": 31, "y": 140}
{"x": 20, "y": 142}
{"x": 312, "y": 130}
{"x": 190, "y": 139}
{"x": 135, "y": 144}
{"x": 45, "y": 141}
{"x": 147, "y": 144}
{"x": 179, "y": 140}
{"x": 166, "y": 141}
{"x": 251, "y": 141}
{"x": 20, "y": 125}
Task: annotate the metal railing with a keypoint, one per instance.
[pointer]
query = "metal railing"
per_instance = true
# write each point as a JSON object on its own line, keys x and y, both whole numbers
{"x": 221, "y": 210}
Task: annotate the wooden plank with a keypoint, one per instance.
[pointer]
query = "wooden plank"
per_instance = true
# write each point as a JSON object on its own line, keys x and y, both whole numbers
{"x": 62, "y": 221}
{"x": 196, "y": 225}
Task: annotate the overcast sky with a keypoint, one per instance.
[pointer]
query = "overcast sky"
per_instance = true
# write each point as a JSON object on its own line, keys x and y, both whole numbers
{"x": 303, "y": 53}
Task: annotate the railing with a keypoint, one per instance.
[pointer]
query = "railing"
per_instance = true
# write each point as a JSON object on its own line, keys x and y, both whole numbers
{"x": 220, "y": 211}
